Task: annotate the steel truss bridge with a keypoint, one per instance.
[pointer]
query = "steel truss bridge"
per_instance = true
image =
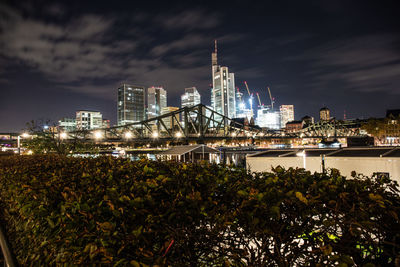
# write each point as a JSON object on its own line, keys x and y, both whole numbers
{"x": 200, "y": 123}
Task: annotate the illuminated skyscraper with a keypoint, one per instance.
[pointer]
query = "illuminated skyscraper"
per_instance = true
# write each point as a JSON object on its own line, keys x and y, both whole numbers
{"x": 131, "y": 103}
{"x": 223, "y": 92}
{"x": 287, "y": 114}
{"x": 156, "y": 101}
{"x": 191, "y": 97}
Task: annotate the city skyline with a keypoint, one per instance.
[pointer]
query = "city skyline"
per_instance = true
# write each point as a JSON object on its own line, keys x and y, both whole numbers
{"x": 59, "y": 57}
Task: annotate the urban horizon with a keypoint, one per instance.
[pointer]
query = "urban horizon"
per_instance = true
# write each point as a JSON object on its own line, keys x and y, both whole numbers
{"x": 67, "y": 57}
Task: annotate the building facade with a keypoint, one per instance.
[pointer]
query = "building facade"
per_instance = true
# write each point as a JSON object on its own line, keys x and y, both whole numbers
{"x": 267, "y": 118}
{"x": 324, "y": 114}
{"x": 223, "y": 92}
{"x": 156, "y": 101}
{"x": 191, "y": 97}
{"x": 88, "y": 120}
{"x": 131, "y": 104}
{"x": 287, "y": 114}
{"x": 170, "y": 121}
{"x": 67, "y": 124}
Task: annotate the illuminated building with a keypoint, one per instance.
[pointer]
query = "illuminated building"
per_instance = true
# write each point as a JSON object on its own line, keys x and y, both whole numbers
{"x": 106, "y": 123}
{"x": 223, "y": 92}
{"x": 307, "y": 120}
{"x": 88, "y": 119}
{"x": 169, "y": 121}
{"x": 191, "y": 97}
{"x": 156, "y": 101}
{"x": 131, "y": 103}
{"x": 287, "y": 114}
{"x": 324, "y": 114}
{"x": 67, "y": 124}
{"x": 267, "y": 118}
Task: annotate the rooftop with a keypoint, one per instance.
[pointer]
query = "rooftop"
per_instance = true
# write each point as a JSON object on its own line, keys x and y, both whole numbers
{"x": 333, "y": 152}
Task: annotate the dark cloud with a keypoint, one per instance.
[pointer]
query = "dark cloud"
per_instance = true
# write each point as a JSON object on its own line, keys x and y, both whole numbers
{"x": 190, "y": 20}
{"x": 364, "y": 64}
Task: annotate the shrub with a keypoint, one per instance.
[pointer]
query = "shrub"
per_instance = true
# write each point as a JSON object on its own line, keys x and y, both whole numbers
{"x": 64, "y": 210}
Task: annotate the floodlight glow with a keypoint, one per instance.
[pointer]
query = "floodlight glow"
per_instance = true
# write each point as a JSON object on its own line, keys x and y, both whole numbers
{"x": 155, "y": 135}
{"x": 233, "y": 134}
{"x": 30, "y": 152}
{"x": 178, "y": 134}
{"x": 98, "y": 135}
{"x": 128, "y": 135}
{"x": 25, "y": 135}
{"x": 261, "y": 134}
{"x": 63, "y": 135}
{"x": 301, "y": 154}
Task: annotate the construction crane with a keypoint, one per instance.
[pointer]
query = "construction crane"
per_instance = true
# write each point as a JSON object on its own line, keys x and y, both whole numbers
{"x": 250, "y": 99}
{"x": 248, "y": 91}
{"x": 259, "y": 100}
{"x": 272, "y": 100}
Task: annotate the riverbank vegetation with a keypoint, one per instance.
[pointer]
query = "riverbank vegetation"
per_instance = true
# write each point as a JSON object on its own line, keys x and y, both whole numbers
{"x": 64, "y": 210}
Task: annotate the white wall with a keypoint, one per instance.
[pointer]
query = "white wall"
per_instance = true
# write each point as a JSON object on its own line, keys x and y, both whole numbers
{"x": 345, "y": 165}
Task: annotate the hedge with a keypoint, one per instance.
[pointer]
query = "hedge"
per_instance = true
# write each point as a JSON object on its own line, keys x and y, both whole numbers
{"x": 108, "y": 211}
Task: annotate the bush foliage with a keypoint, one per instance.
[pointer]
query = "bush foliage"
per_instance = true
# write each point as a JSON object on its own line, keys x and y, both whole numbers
{"x": 64, "y": 210}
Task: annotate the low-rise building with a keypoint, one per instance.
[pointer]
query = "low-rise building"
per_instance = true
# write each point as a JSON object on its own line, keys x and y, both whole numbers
{"x": 367, "y": 161}
{"x": 88, "y": 120}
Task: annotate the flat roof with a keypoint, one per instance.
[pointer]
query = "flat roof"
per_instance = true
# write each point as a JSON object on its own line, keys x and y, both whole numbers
{"x": 275, "y": 153}
{"x": 361, "y": 152}
{"x": 181, "y": 150}
{"x": 333, "y": 152}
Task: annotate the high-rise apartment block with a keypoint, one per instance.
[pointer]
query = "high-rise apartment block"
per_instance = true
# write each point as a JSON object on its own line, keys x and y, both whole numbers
{"x": 223, "y": 92}
{"x": 324, "y": 114}
{"x": 287, "y": 114}
{"x": 156, "y": 101}
{"x": 131, "y": 104}
{"x": 88, "y": 120}
{"x": 191, "y": 97}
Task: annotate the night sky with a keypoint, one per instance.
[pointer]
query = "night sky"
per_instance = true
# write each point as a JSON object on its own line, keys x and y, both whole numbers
{"x": 57, "y": 57}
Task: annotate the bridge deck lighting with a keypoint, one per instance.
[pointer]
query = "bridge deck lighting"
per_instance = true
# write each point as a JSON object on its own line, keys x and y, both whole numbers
{"x": 178, "y": 134}
{"x": 128, "y": 135}
{"x": 98, "y": 135}
{"x": 155, "y": 134}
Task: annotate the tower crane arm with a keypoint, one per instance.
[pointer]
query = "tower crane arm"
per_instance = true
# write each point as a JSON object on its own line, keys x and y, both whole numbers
{"x": 270, "y": 96}
{"x": 259, "y": 101}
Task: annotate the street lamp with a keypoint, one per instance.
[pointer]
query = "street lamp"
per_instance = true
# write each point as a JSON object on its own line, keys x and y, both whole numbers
{"x": 98, "y": 135}
{"x": 128, "y": 135}
{"x": 178, "y": 134}
{"x": 63, "y": 135}
{"x": 155, "y": 134}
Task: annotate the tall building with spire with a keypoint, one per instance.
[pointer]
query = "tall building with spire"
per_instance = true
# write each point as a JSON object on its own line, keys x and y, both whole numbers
{"x": 223, "y": 91}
